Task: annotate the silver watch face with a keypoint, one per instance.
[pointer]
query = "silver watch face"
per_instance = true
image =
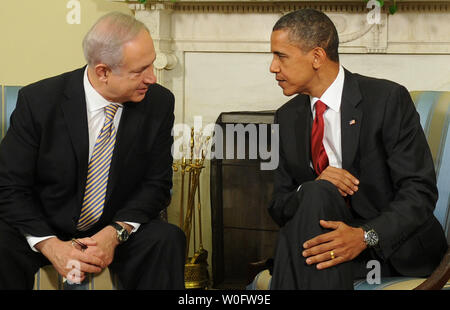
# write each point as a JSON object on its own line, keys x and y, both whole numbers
{"x": 371, "y": 238}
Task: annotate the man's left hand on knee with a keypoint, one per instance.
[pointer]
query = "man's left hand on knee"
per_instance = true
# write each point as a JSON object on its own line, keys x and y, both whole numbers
{"x": 342, "y": 244}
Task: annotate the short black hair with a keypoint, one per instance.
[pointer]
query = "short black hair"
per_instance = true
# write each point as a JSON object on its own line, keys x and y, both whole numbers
{"x": 311, "y": 28}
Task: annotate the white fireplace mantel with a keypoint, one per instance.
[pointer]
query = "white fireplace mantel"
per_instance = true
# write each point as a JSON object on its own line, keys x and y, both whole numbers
{"x": 234, "y": 25}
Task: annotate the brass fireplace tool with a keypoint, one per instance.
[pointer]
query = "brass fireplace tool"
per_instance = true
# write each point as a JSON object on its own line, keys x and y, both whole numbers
{"x": 196, "y": 267}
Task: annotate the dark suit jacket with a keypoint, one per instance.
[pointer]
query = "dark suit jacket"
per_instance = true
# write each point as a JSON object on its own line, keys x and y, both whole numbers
{"x": 387, "y": 151}
{"x": 44, "y": 158}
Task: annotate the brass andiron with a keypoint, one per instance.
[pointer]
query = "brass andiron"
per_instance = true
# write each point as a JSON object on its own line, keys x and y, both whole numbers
{"x": 196, "y": 267}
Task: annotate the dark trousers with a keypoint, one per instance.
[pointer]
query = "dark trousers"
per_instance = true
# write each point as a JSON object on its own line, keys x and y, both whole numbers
{"x": 152, "y": 258}
{"x": 317, "y": 200}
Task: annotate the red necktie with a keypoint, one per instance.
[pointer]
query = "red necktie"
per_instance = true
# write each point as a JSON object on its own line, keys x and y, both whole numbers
{"x": 318, "y": 153}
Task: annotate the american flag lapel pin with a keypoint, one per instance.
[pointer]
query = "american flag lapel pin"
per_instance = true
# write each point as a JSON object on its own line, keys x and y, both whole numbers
{"x": 352, "y": 122}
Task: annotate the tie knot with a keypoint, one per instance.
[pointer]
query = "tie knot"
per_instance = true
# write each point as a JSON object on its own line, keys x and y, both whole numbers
{"x": 320, "y": 107}
{"x": 111, "y": 110}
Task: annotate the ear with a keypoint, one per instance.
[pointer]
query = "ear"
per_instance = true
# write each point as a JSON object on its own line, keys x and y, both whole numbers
{"x": 102, "y": 71}
{"x": 319, "y": 57}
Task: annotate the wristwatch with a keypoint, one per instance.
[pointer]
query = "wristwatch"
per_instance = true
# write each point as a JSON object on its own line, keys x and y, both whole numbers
{"x": 370, "y": 236}
{"x": 122, "y": 233}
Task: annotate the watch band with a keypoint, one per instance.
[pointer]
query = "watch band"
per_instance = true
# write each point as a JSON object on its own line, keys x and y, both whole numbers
{"x": 122, "y": 233}
{"x": 117, "y": 226}
{"x": 366, "y": 227}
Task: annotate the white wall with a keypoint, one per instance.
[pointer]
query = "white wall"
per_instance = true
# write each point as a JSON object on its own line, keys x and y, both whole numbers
{"x": 223, "y": 82}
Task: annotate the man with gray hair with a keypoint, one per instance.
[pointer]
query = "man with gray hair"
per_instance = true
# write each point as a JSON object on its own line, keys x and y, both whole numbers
{"x": 86, "y": 168}
{"x": 356, "y": 179}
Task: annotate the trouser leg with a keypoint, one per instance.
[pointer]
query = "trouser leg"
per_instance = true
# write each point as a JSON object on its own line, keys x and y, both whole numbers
{"x": 317, "y": 200}
{"x": 18, "y": 263}
{"x": 152, "y": 258}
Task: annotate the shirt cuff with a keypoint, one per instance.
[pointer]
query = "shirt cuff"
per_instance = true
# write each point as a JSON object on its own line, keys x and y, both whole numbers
{"x": 135, "y": 226}
{"x": 32, "y": 241}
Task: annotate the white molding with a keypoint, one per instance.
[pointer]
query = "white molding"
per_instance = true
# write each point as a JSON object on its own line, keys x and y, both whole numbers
{"x": 265, "y": 6}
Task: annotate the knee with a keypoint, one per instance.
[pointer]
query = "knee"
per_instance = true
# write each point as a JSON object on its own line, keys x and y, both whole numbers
{"x": 321, "y": 188}
{"x": 13, "y": 256}
{"x": 165, "y": 234}
{"x": 10, "y": 242}
{"x": 173, "y": 234}
{"x": 320, "y": 196}
{"x": 320, "y": 191}
{"x": 5, "y": 253}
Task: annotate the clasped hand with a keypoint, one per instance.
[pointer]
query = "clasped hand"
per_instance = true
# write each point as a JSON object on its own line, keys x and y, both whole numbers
{"x": 72, "y": 263}
{"x": 344, "y": 242}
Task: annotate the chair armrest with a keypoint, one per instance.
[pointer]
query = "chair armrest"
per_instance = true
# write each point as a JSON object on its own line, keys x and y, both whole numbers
{"x": 440, "y": 275}
{"x": 256, "y": 267}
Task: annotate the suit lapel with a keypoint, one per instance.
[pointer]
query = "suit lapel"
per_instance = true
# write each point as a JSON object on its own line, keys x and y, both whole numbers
{"x": 75, "y": 116}
{"x": 351, "y": 118}
{"x": 302, "y": 127}
{"x": 130, "y": 122}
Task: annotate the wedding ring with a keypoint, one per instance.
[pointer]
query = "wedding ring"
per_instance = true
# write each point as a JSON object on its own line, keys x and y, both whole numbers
{"x": 332, "y": 254}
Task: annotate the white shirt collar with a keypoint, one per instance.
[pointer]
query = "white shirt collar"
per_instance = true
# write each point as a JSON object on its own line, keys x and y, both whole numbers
{"x": 333, "y": 95}
{"x": 94, "y": 101}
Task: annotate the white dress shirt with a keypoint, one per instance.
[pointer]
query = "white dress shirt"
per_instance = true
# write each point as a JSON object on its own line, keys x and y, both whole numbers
{"x": 332, "y": 120}
{"x": 95, "y": 104}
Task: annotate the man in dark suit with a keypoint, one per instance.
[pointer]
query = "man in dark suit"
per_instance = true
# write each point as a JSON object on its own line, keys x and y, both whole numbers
{"x": 356, "y": 181}
{"x": 86, "y": 168}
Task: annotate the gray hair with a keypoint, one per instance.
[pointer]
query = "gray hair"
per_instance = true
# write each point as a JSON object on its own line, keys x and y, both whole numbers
{"x": 309, "y": 29}
{"x": 105, "y": 40}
